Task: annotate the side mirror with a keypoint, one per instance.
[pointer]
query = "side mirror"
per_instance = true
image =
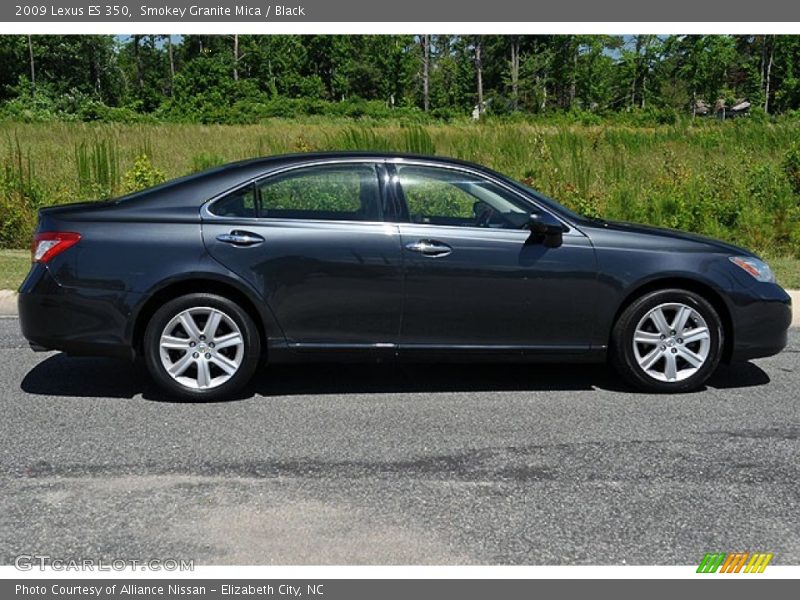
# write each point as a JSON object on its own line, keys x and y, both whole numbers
{"x": 545, "y": 229}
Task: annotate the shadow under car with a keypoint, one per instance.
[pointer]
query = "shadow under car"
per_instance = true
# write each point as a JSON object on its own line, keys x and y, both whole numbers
{"x": 62, "y": 376}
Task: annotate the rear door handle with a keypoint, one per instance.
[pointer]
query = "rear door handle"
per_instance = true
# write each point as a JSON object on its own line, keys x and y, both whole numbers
{"x": 240, "y": 238}
{"x": 429, "y": 248}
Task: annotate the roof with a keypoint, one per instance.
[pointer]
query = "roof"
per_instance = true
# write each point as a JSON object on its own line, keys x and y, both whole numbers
{"x": 280, "y": 159}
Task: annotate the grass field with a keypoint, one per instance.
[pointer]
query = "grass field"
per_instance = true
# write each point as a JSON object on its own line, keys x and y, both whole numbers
{"x": 14, "y": 265}
{"x": 738, "y": 180}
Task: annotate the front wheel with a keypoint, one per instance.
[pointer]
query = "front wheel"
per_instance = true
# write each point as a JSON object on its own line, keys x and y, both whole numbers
{"x": 201, "y": 347}
{"x": 668, "y": 341}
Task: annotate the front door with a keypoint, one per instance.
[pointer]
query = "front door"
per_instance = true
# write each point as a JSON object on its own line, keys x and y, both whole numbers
{"x": 472, "y": 279}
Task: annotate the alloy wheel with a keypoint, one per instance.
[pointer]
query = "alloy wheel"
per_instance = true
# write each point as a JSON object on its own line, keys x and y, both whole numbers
{"x": 201, "y": 348}
{"x": 671, "y": 342}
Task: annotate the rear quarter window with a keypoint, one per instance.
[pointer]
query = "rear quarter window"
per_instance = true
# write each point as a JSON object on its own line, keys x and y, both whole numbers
{"x": 240, "y": 203}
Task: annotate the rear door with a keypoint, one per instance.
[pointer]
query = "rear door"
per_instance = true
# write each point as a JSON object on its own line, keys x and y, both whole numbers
{"x": 313, "y": 242}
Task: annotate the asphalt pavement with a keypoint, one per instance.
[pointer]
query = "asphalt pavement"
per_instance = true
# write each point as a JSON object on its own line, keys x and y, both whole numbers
{"x": 367, "y": 464}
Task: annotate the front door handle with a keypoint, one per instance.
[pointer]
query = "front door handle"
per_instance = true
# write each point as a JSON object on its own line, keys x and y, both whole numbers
{"x": 429, "y": 248}
{"x": 240, "y": 238}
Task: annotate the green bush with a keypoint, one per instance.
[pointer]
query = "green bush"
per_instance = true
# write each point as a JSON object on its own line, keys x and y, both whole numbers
{"x": 791, "y": 167}
{"x": 21, "y": 195}
{"x": 17, "y": 220}
{"x": 142, "y": 175}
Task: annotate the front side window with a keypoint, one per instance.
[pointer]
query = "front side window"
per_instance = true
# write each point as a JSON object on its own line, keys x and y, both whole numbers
{"x": 449, "y": 197}
{"x": 328, "y": 192}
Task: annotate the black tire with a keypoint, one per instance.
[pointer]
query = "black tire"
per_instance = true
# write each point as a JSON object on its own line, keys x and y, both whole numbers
{"x": 250, "y": 348}
{"x": 623, "y": 355}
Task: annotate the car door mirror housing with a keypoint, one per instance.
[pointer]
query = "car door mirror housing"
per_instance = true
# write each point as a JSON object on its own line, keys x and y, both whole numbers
{"x": 545, "y": 229}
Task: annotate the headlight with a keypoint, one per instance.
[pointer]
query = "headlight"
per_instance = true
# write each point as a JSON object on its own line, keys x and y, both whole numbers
{"x": 757, "y": 268}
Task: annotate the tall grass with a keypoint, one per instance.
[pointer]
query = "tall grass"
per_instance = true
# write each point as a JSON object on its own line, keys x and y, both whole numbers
{"x": 413, "y": 140}
{"x": 98, "y": 170}
{"x": 20, "y": 194}
{"x": 730, "y": 180}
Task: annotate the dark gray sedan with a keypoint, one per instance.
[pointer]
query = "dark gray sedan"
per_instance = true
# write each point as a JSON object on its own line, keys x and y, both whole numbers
{"x": 365, "y": 256}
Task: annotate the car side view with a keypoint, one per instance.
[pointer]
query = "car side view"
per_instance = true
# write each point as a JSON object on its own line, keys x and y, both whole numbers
{"x": 374, "y": 256}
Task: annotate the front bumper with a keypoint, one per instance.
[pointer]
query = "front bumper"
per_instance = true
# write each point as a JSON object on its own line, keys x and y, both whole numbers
{"x": 761, "y": 322}
{"x": 78, "y": 321}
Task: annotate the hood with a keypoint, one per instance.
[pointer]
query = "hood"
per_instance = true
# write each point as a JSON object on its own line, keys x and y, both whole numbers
{"x": 674, "y": 234}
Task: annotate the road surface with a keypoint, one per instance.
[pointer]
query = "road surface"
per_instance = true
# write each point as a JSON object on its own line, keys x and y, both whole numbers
{"x": 397, "y": 465}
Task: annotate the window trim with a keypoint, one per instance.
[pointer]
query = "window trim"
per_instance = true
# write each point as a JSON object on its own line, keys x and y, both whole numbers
{"x": 388, "y": 189}
{"x": 378, "y": 165}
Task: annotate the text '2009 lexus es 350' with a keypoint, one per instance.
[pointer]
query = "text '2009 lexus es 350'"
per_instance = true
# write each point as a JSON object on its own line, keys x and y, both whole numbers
{"x": 368, "y": 256}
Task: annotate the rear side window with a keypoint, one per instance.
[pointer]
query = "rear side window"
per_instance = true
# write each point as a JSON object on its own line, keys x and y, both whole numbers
{"x": 241, "y": 203}
{"x": 330, "y": 192}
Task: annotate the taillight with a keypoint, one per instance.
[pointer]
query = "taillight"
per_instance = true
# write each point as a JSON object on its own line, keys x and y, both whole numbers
{"x": 48, "y": 244}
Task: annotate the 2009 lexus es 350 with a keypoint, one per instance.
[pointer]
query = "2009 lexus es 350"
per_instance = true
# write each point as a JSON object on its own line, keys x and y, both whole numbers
{"x": 366, "y": 256}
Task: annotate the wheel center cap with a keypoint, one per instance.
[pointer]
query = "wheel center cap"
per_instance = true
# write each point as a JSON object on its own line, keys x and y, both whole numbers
{"x": 201, "y": 347}
{"x": 671, "y": 342}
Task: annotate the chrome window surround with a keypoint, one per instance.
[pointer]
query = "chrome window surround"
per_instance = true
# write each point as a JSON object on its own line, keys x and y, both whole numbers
{"x": 205, "y": 210}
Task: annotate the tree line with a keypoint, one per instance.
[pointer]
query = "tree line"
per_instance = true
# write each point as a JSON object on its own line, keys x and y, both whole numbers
{"x": 242, "y": 78}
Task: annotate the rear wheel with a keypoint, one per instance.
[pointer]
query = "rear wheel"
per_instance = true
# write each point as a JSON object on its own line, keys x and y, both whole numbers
{"x": 201, "y": 347}
{"x": 668, "y": 341}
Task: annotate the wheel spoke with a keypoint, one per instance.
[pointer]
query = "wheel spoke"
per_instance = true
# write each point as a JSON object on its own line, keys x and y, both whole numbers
{"x": 170, "y": 342}
{"x": 212, "y": 324}
{"x": 671, "y": 371}
{"x": 180, "y": 365}
{"x": 228, "y": 340}
{"x": 681, "y": 317}
{"x": 203, "y": 374}
{"x": 697, "y": 334}
{"x": 646, "y": 337}
{"x": 660, "y": 321}
{"x": 690, "y": 357}
{"x": 189, "y": 325}
{"x": 651, "y": 358}
{"x": 225, "y": 364}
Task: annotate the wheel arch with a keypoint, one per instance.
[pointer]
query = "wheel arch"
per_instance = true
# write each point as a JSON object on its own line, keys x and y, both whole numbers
{"x": 203, "y": 283}
{"x": 707, "y": 291}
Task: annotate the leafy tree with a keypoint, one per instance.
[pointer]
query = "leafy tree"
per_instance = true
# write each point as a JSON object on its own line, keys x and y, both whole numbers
{"x": 242, "y": 78}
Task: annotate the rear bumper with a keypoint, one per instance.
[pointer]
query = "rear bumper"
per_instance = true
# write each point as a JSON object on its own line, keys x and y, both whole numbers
{"x": 761, "y": 323}
{"x": 78, "y": 321}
